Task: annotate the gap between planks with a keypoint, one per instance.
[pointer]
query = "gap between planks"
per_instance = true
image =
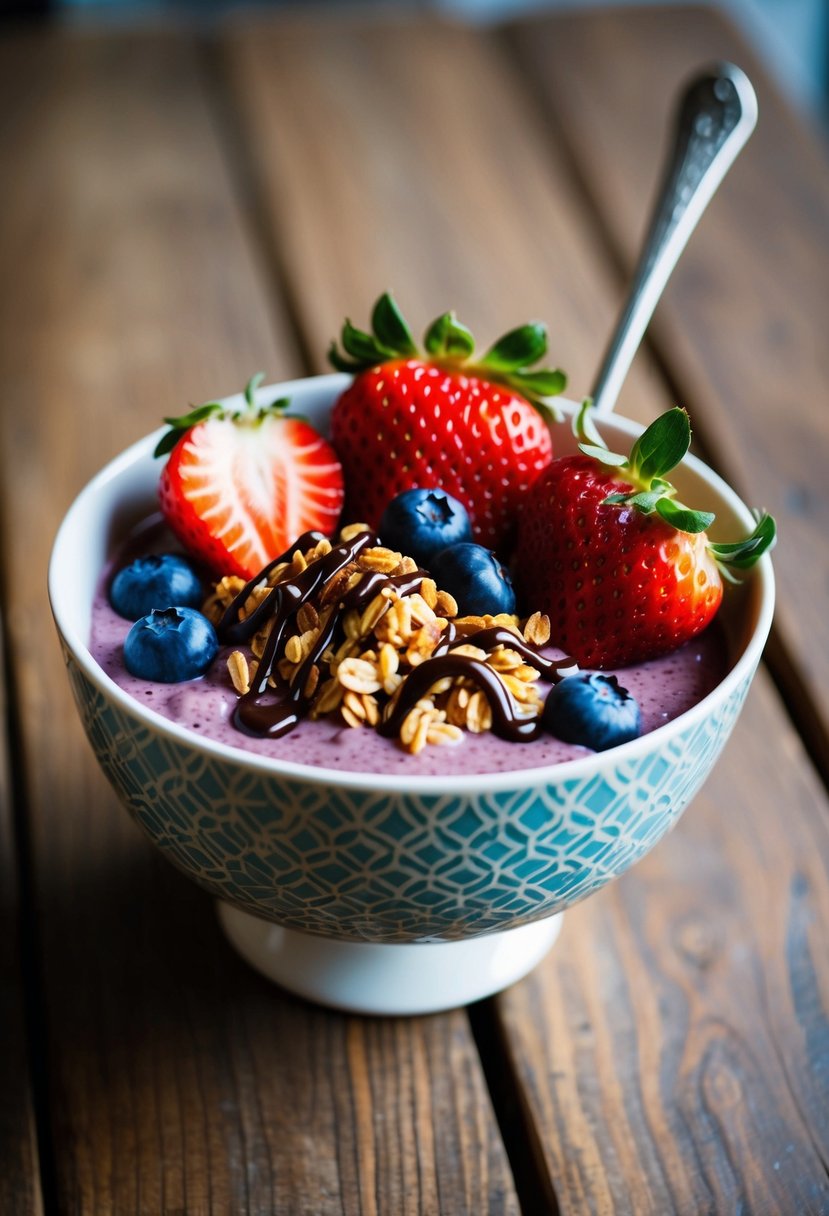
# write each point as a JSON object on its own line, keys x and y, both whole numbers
{"x": 440, "y": 1055}
{"x": 781, "y": 656}
{"x": 503, "y": 1086}
{"x": 241, "y": 172}
{"x": 534, "y": 1187}
{"x": 519, "y": 1131}
{"x": 27, "y": 1181}
{"x": 518, "y": 1128}
{"x": 793, "y": 690}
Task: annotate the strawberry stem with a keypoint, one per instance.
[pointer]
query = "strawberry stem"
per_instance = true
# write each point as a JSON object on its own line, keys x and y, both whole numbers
{"x": 659, "y": 449}
{"x": 249, "y": 416}
{"x": 742, "y": 554}
{"x": 447, "y": 339}
{"x": 683, "y": 518}
{"x": 390, "y": 326}
{"x": 517, "y": 349}
{"x": 183, "y": 423}
{"x": 449, "y": 343}
{"x": 251, "y": 387}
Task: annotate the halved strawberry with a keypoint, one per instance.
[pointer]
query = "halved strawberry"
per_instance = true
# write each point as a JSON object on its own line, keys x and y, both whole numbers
{"x": 473, "y": 426}
{"x": 241, "y": 485}
{"x": 623, "y": 570}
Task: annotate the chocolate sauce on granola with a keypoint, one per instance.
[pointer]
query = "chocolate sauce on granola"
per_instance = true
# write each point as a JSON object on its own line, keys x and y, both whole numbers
{"x": 233, "y": 627}
{"x": 487, "y": 639}
{"x": 506, "y": 723}
{"x": 267, "y": 712}
{"x": 284, "y": 707}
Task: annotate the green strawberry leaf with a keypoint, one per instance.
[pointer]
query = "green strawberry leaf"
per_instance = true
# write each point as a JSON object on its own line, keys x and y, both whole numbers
{"x": 448, "y": 341}
{"x": 644, "y": 501}
{"x": 664, "y": 487}
{"x": 658, "y": 450}
{"x": 390, "y": 339}
{"x": 682, "y": 518}
{"x": 517, "y": 349}
{"x": 212, "y": 409}
{"x": 363, "y": 347}
{"x": 167, "y": 442}
{"x": 591, "y": 442}
{"x": 616, "y": 459}
{"x": 280, "y": 406}
{"x": 661, "y": 447}
{"x": 446, "y": 338}
{"x": 727, "y": 576}
{"x": 183, "y": 423}
{"x": 539, "y": 383}
{"x": 251, "y": 387}
{"x": 390, "y": 327}
{"x": 584, "y": 428}
{"x": 742, "y": 554}
{"x": 339, "y": 361}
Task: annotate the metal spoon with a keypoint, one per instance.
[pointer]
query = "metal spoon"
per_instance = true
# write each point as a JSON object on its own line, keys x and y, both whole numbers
{"x": 715, "y": 116}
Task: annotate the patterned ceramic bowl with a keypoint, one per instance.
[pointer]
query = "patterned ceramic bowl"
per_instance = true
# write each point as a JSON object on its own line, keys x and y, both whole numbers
{"x": 378, "y": 893}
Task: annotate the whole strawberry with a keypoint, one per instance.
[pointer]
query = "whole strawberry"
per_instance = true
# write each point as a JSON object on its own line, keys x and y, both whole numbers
{"x": 241, "y": 485}
{"x": 442, "y": 419}
{"x": 624, "y": 571}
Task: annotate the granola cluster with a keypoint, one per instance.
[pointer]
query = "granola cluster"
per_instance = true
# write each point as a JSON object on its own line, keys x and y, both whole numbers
{"x": 375, "y": 647}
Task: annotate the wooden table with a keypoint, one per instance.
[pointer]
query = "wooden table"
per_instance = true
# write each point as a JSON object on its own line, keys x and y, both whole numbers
{"x": 181, "y": 208}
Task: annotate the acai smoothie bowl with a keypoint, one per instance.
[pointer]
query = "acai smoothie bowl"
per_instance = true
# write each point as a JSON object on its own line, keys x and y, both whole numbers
{"x": 398, "y": 664}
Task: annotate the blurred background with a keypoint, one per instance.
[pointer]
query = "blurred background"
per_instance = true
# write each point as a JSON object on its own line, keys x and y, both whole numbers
{"x": 792, "y": 36}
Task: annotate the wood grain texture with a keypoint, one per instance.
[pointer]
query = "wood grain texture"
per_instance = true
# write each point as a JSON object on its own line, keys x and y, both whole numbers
{"x": 20, "y": 1191}
{"x": 412, "y": 162}
{"x": 673, "y": 1050}
{"x": 180, "y": 1082}
{"x": 196, "y": 1087}
{"x": 645, "y": 1083}
{"x": 742, "y": 324}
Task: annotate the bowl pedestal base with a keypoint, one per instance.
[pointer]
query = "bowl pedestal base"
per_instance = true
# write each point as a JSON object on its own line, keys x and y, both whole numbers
{"x": 368, "y": 977}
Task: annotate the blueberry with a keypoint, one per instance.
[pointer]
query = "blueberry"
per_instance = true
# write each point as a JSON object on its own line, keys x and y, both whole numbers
{"x": 593, "y": 710}
{"x": 155, "y": 582}
{"x": 170, "y": 645}
{"x": 422, "y": 522}
{"x": 476, "y": 579}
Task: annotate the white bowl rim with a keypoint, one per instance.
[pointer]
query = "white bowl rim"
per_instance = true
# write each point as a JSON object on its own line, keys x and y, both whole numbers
{"x": 463, "y": 783}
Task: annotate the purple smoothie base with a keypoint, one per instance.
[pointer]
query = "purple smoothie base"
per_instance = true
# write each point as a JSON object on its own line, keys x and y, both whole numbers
{"x": 664, "y": 688}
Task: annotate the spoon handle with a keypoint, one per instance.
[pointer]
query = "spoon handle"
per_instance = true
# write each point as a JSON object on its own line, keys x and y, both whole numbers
{"x": 715, "y": 116}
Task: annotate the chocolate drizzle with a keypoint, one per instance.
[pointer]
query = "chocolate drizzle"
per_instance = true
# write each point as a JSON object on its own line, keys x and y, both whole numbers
{"x": 232, "y": 628}
{"x": 506, "y": 723}
{"x": 488, "y": 639}
{"x": 267, "y": 712}
{"x": 283, "y": 710}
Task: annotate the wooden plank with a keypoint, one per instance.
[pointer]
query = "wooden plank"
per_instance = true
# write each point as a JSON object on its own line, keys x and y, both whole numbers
{"x": 742, "y": 322}
{"x": 434, "y": 179}
{"x": 181, "y": 1082}
{"x": 673, "y": 1049}
{"x": 456, "y": 128}
{"x": 20, "y": 1190}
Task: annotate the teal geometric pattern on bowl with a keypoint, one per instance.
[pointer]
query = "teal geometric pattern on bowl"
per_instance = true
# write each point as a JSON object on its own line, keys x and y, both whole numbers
{"x": 395, "y": 867}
